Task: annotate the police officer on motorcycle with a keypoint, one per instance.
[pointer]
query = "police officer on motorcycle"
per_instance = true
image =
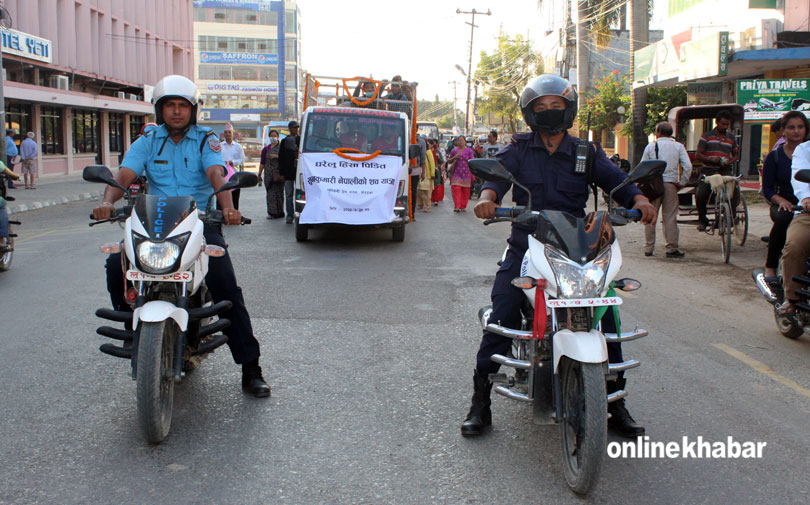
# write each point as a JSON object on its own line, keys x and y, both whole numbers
{"x": 181, "y": 158}
{"x": 544, "y": 161}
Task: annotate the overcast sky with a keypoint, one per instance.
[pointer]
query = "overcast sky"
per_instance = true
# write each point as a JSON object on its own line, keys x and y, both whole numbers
{"x": 422, "y": 40}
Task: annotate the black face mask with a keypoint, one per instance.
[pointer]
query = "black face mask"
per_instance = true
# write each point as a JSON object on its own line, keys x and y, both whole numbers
{"x": 550, "y": 120}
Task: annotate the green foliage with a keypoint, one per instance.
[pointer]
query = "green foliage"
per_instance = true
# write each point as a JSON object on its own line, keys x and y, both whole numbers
{"x": 503, "y": 74}
{"x": 610, "y": 92}
{"x": 659, "y": 103}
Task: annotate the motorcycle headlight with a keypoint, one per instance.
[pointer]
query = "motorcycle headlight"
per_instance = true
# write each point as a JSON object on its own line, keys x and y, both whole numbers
{"x": 578, "y": 281}
{"x": 159, "y": 257}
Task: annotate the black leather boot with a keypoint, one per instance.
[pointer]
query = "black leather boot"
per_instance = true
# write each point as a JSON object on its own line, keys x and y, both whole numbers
{"x": 620, "y": 420}
{"x": 252, "y": 380}
{"x": 480, "y": 416}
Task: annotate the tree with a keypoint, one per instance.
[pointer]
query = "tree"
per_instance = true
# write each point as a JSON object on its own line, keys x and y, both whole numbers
{"x": 659, "y": 103}
{"x": 610, "y": 92}
{"x": 503, "y": 75}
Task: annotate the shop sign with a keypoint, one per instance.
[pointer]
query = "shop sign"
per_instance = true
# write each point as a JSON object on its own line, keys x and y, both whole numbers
{"x": 707, "y": 57}
{"x": 238, "y": 58}
{"x": 655, "y": 63}
{"x": 27, "y": 46}
{"x": 709, "y": 93}
{"x": 239, "y": 87}
{"x": 767, "y": 99}
{"x": 251, "y": 5}
{"x": 245, "y": 117}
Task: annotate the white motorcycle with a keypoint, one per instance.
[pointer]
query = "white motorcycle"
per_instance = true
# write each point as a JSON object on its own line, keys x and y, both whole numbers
{"x": 559, "y": 354}
{"x": 171, "y": 326}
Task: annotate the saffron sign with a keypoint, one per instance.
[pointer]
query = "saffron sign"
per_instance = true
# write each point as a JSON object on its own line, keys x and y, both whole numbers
{"x": 349, "y": 192}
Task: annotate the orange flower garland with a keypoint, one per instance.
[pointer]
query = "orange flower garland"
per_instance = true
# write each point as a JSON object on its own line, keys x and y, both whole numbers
{"x": 360, "y": 102}
{"x": 343, "y": 153}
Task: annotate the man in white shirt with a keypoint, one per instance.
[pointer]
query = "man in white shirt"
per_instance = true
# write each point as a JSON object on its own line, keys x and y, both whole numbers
{"x": 491, "y": 148}
{"x": 231, "y": 150}
{"x": 665, "y": 148}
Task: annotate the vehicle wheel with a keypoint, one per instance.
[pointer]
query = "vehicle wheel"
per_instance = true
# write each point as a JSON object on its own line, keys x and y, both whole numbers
{"x": 787, "y": 326}
{"x": 8, "y": 254}
{"x": 741, "y": 221}
{"x": 399, "y": 233}
{"x": 583, "y": 427}
{"x": 155, "y": 383}
{"x": 725, "y": 229}
{"x": 301, "y": 232}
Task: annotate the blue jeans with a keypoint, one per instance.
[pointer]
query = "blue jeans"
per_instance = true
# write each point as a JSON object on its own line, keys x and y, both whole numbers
{"x": 289, "y": 194}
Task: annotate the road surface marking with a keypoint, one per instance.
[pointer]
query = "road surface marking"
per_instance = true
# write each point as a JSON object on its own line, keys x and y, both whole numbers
{"x": 763, "y": 369}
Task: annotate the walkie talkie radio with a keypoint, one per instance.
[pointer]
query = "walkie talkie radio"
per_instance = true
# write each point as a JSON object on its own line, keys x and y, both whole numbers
{"x": 581, "y": 155}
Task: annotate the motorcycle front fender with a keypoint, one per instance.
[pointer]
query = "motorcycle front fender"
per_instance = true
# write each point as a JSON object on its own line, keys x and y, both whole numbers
{"x": 159, "y": 310}
{"x": 582, "y": 346}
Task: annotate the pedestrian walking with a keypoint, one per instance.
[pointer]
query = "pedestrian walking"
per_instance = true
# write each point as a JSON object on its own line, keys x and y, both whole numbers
{"x": 273, "y": 181}
{"x": 665, "y": 148}
{"x": 287, "y": 161}
{"x": 425, "y": 187}
{"x": 234, "y": 155}
{"x": 11, "y": 152}
{"x": 438, "y": 181}
{"x": 28, "y": 152}
{"x": 460, "y": 175}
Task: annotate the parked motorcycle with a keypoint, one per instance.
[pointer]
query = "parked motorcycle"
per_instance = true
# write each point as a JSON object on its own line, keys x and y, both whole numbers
{"x": 559, "y": 354}
{"x": 7, "y": 247}
{"x": 794, "y": 325}
{"x": 171, "y": 326}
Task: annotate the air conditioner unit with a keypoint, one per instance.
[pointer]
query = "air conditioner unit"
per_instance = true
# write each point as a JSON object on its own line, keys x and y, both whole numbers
{"x": 59, "y": 82}
{"x": 132, "y": 96}
{"x": 206, "y": 114}
{"x": 121, "y": 94}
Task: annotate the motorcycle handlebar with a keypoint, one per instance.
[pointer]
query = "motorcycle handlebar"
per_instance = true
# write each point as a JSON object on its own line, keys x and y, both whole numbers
{"x": 215, "y": 217}
{"x": 119, "y": 214}
{"x": 509, "y": 212}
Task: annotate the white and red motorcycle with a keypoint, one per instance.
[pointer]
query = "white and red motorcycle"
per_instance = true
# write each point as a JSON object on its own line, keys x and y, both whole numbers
{"x": 559, "y": 354}
{"x": 171, "y": 326}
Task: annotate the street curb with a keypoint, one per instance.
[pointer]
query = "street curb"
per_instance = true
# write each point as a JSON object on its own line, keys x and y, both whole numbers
{"x": 25, "y": 207}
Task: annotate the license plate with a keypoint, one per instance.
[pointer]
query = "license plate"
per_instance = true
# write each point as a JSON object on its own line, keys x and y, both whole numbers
{"x": 584, "y": 302}
{"x": 135, "y": 275}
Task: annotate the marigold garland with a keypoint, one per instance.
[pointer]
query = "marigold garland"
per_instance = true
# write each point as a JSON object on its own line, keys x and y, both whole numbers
{"x": 343, "y": 153}
{"x": 359, "y": 102}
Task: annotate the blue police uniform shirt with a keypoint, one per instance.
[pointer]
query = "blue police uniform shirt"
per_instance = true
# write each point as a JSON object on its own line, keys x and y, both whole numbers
{"x": 11, "y": 147}
{"x": 176, "y": 169}
{"x": 551, "y": 178}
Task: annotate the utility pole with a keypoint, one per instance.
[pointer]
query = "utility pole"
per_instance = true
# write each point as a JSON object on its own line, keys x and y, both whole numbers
{"x": 583, "y": 53}
{"x": 639, "y": 38}
{"x": 467, "y": 127}
{"x": 455, "y": 85}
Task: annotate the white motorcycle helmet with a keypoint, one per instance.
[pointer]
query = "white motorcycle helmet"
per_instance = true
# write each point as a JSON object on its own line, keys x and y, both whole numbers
{"x": 176, "y": 86}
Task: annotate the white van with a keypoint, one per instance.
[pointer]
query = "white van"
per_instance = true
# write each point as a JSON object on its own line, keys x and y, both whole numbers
{"x": 353, "y": 170}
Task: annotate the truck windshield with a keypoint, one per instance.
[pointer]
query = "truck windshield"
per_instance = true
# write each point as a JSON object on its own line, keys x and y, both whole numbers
{"x": 327, "y": 131}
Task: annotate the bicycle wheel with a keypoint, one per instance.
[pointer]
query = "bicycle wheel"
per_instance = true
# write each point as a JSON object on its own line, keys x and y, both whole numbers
{"x": 725, "y": 229}
{"x": 741, "y": 220}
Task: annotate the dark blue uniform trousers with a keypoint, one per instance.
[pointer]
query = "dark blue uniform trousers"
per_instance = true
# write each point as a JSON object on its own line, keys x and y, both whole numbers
{"x": 506, "y": 303}
{"x": 221, "y": 282}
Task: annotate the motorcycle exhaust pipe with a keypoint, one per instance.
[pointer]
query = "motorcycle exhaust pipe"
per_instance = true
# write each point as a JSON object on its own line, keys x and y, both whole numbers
{"x": 759, "y": 279}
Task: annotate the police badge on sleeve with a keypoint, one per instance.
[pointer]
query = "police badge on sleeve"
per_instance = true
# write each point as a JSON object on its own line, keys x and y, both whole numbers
{"x": 213, "y": 143}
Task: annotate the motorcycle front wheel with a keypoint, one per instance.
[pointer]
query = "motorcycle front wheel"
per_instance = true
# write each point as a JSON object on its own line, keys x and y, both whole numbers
{"x": 7, "y": 252}
{"x": 155, "y": 381}
{"x": 583, "y": 427}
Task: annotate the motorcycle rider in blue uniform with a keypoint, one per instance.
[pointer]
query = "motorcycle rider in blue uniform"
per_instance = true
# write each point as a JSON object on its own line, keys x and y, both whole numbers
{"x": 181, "y": 158}
{"x": 544, "y": 161}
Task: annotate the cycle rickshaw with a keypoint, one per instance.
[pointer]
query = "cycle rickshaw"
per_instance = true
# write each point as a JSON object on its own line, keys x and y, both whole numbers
{"x": 725, "y": 218}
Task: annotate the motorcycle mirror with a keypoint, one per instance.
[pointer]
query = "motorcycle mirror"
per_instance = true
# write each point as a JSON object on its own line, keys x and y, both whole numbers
{"x": 803, "y": 175}
{"x": 647, "y": 171}
{"x": 489, "y": 170}
{"x": 414, "y": 151}
{"x": 100, "y": 173}
{"x": 239, "y": 180}
{"x": 627, "y": 284}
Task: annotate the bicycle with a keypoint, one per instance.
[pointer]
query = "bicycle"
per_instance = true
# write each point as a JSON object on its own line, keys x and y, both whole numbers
{"x": 728, "y": 219}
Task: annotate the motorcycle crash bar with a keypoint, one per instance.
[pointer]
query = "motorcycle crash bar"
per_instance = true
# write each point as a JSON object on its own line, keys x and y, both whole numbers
{"x": 625, "y": 337}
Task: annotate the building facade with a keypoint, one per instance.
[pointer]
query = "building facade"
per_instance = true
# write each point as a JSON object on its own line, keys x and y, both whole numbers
{"x": 721, "y": 48}
{"x": 247, "y": 63}
{"x": 80, "y": 73}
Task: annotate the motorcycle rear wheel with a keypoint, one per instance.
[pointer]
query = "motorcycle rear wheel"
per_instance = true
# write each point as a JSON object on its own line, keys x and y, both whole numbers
{"x": 583, "y": 427}
{"x": 787, "y": 325}
{"x": 155, "y": 381}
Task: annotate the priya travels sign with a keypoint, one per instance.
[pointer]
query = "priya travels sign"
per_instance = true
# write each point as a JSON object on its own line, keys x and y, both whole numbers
{"x": 767, "y": 99}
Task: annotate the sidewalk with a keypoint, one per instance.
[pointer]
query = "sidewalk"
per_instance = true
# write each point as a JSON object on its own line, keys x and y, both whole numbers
{"x": 52, "y": 191}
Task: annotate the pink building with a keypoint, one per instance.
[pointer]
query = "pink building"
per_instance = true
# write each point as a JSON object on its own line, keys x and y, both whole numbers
{"x": 79, "y": 73}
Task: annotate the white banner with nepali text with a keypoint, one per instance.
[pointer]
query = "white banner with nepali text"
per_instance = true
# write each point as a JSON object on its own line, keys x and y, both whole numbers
{"x": 349, "y": 192}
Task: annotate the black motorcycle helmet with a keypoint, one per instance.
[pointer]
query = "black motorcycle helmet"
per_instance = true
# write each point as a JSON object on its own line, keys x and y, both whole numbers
{"x": 549, "y": 121}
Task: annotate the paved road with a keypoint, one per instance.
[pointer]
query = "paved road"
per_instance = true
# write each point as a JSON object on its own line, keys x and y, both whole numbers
{"x": 369, "y": 348}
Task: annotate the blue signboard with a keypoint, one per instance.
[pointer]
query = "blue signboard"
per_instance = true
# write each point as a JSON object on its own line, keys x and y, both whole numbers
{"x": 251, "y": 5}
{"x": 239, "y": 58}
